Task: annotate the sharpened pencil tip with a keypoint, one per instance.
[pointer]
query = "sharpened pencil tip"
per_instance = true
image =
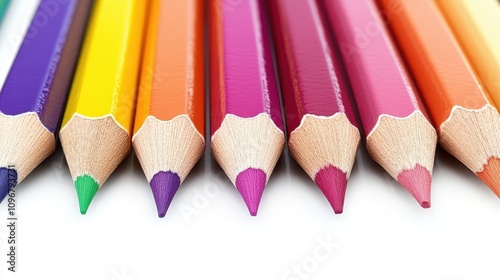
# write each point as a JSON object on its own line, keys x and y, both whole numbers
{"x": 251, "y": 183}
{"x": 425, "y": 204}
{"x": 86, "y": 188}
{"x": 417, "y": 182}
{"x": 333, "y": 183}
{"x": 8, "y": 179}
{"x": 164, "y": 186}
{"x": 491, "y": 174}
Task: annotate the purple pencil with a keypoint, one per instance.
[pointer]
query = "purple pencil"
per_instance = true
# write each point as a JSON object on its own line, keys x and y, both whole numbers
{"x": 36, "y": 89}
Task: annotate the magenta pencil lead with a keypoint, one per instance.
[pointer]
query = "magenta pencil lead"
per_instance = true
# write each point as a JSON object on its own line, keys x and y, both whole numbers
{"x": 251, "y": 183}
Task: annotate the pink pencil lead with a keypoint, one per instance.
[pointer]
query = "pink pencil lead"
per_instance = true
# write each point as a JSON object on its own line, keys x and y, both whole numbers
{"x": 417, "y": 182}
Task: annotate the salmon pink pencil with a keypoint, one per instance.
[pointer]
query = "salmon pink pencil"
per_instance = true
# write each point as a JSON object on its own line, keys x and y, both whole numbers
{"x": 247, "y": 127}
{"x": 323, "y": 134}
{"x": 169, "y": 135}
{"x": 467, "y": 122}
{"x": 399, "y": 136}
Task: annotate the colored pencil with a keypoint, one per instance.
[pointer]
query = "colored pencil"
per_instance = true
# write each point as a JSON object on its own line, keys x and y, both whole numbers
{"x": 323, "y": 134}
{"x": 475, "y": 24}
{"x": 96, "y": 129}
{"x": 12, "y": 32}
{"x": 35, "y": 92}
{"x": 246, "y": 123}
{"x": 4, "y": 4}
{"x": 169, "y": 136}
{"x": 399, "y": 136}
{"x": 468, "y": 125}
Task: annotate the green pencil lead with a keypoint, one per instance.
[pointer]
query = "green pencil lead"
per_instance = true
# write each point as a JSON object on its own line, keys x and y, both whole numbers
{"x": 86, "y": 188}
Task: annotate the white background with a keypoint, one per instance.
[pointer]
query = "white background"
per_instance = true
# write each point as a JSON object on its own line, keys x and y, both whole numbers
{"x": 208, "y": 233}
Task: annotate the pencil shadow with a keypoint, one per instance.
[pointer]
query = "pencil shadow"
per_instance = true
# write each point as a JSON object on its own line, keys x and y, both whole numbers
{"x": 129, "y": 165}
{"x": 366, "y": 167}
{"x": 295, "y": 173}
{"x": 215, "y": 174}
{"x": 136, "y": 166}
{"x": 445, "y": 161}
{"x": 56, "y": 165}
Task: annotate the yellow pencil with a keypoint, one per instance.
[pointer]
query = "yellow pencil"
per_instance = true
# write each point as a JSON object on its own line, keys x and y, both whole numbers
{"x": 97, "y": 125}
{"x": 475, "y": 24}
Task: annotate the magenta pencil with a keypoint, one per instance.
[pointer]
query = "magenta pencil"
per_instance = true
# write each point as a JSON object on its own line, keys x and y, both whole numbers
{"x": 323, "y": 134}
{"x": 399, "y": 135}
{"x": 247, "y": 127}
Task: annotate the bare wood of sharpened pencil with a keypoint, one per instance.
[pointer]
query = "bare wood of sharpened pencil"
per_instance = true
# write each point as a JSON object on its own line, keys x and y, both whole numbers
{"x": 399, "y": 144}
{"x": 33, "y": 142}
{"x": 238, "y": 147}
{"x": 94, "y": 144}
{"x": 472, "y": 137}
{"x": 307, "y": 143}
{"x": 178, "y": 154}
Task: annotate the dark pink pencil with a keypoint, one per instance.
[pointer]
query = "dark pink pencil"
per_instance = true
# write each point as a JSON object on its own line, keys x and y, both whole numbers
{"x": 323, "y": 134}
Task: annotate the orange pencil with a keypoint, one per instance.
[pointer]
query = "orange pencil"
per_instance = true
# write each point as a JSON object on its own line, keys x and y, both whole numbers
{"x": 467, "y": 123}
{"x": 169, "y": 136}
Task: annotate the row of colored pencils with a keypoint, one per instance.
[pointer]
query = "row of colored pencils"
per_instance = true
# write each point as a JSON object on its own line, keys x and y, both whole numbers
{"x": 130, "y": 73}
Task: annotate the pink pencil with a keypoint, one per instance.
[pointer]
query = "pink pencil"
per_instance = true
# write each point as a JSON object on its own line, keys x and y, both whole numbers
{"x": 399, "y": 136}
{"x": 247, "y": 128}
{"x": 323, "y": 134}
